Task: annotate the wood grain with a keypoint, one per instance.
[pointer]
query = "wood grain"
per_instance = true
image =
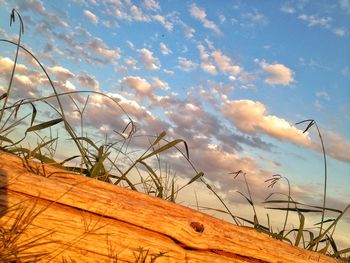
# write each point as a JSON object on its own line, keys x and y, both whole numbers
{"x": 92, "y": 221}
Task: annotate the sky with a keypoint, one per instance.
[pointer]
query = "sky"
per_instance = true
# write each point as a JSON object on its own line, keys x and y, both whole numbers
{"x": 231, "y": 78}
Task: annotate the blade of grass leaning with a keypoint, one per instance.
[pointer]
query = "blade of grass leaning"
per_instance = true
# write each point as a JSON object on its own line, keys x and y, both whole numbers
{"x": 317, "y": 239}
{"x": 44, "y": 125}
{"x": 300, "y": 229}
{"x": 195, "y": 178}
{"x": 164, "y": 148}
{"x": 5, "y": 139}
{"x": 155, "y": 178}
{"x": 98, "y": 167}
{"x": 3, "y": 96}
{"x": 298, "y": 203}
{"x": 303, "y": 210}
{"x": 33, "y": 114}
{"x": 18, "y": 44}
{"x": 89, "y": 141}
{"x": 342, "y": 251}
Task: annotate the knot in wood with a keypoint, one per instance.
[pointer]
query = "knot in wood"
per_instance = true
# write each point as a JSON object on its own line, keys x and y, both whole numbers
{"x": 198, "y": 227}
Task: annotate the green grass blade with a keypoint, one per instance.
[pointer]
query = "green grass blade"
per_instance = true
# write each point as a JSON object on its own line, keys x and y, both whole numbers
{"x": 249, "y": 201}
{"x": 300, "y": 230}
{"x": 33, "y": 114}
{"x": 5, "y": 139}
{"x": 3, "y": 96}
{"x": 163, "y": 148}
{"x": 199, "y": 175}
{"x": 88, "y": 140}
{"x": 44, "y": 125}
{"x": 303, "y": 210}
{"x": 159, "y": 138}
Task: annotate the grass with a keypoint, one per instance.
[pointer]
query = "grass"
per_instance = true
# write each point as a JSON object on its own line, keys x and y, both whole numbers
{"x": 117, "y": 162}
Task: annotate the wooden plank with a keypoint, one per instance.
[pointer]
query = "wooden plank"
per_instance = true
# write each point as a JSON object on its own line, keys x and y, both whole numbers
{"x": 186, "y": 233}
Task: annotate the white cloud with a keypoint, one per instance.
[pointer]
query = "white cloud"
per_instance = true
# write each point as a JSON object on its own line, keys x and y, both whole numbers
{"x": 161, "y": 19}
{"x": 186, "y": 65}
{"x": 160, "y": 84}
{"x": 131, "y": 63}
{"x": 140, "y": 85}
{"x": 61, "y": 73}
{"x": 100, "y": 48}
{"x": 345, "y": 5}
{"x": 189, "y": 31}
{"x": 87, "y": 80}
{"x": 253, "y": 19}
{"x": 336, "y": 146}
{"x": 278, "y": 74}
{"x": 201, "y": 15}
{"x": 288, "y": 9}
{"x": 323, "y": 94}
{"x": 314, "y": 20}
{"x": 206, "y": 64}
{"x": 91, "y": 16}
{"x": 138, "y": 15}
{"x": 148, "y": 60}
{"x": 324, "y": 22}
{"x": 252, "y": 117}
{"x": 151, "y": 5}
{"x": 346, "y": 71}
{"x": 340, "y": 31}
{"x": 6, "y": 65}
{"x": 130, "y": 44}
{"x": 164, "y": 49}
{"x": 224, "y": 63}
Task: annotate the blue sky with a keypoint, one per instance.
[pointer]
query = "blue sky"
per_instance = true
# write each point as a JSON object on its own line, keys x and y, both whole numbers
{"x": 230, "y": 77}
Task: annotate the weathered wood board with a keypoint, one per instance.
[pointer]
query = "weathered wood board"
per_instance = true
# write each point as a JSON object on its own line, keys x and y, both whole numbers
{"x": 85, "y": 220}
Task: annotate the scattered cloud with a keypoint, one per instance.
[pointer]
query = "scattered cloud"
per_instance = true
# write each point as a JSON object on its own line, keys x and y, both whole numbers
{"x": 341, "y": 32}
{"x": 278, "y": 74}
{"x": 131, "y": 63}
{"x": 287, "y": 9}
{"x": 164, "y": 49}
{"x": 138, "y": 15}
{"x": 89, "y": 81}
{"x": 160, "y": 84}
{"x": 324, "y": 22}
{"x": 252, "y": 117}
{"x": 337, "y": 146}
{"x": 346, "y": 71}
{"x": 101, "y": 49}
{"x": 148, "y": 60}
{"x": 314, "y": 20}
{"x": 61, "y": 73}
{"x": 345, "y": 5}
{"x": 254, "y": 19}
{"x": 189, "y": 31}
{"x": 140, "y": 85}
{"x": 91, "y": 16}
{"x": 201, "y": 15}
{"x": 323, "y": 94}
{"x": 161, "y": 19}
{"x": 186, "y": 64}
{"x": 206, "y": 64}
{"x": 224, "y": 63}
{"x": 151, "y": 5}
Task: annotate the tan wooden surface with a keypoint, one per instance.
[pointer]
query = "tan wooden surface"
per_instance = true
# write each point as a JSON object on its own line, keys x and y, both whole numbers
{"x": 92, "y": 221}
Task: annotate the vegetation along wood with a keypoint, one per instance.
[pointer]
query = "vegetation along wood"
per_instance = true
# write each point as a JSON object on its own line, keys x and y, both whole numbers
{"x": 65, "y": 217}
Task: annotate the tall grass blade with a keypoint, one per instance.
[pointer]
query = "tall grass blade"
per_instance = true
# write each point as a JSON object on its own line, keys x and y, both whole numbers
{"x": 34, "y": 112}
{"x": 5, "y": 139}
{"x": 44, "y": 125}
{"x": 3, "y": 96}
{"x": 195, "y": 178}
{"x": 300, "y": 229}
{"x": 164, "y": 148}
